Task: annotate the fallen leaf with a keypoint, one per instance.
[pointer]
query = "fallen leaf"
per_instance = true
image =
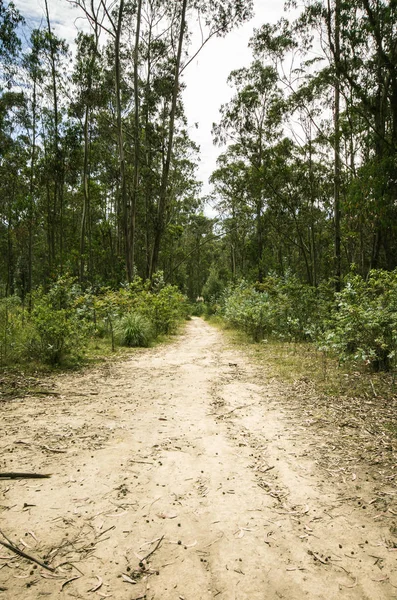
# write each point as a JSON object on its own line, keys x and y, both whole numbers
{"x": 166, "y": 515}
{"x": 128, "y": 579}
{"x": 65, "y": 583}
{"x": 97, "y": 586}
{"x": 349, "y": 586}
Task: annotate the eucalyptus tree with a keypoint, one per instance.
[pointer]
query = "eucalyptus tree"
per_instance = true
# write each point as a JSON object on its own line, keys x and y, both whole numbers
{"x": 251, "y": 121}
{"x": 216, "y": 18}
{"x": 230, "y": 183}
{"x": 350, "y": 50}
{"x": 56, "y": 50}
{"x": 86, "y": 78}
{"x": 35, "y": 76}
{"x": 12, "y": 150}
{"x": 10, "y": 43}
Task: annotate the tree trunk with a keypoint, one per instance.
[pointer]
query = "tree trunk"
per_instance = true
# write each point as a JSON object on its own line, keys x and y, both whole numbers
{"x": 57, "y": 197}
{"x": 337, "y": 166}
{"x": 137, "y": 145}
{"x": 120, "y": 140}
{"x": 163, "y": 200}
{"x": 31, "y": 194}
{"x": 86, "y": 200}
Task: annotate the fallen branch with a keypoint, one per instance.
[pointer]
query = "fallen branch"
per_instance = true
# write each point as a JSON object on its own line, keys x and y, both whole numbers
{"x": 154, "y": 549}
{"x": 27, "y": 556}
{"x": 97, "y": 586}
{"x": 42, "y": 392}
{"x": 105, "y": 531}
{"x": 236, "y": 408}
{"x": 43, "y": 446}
{"x": 24, "y": 476}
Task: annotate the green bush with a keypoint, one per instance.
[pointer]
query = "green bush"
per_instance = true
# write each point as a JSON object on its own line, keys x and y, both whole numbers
{"x": 363, "y": 325}
{"x": 11, "y": 329}
{"x": 134, "y": 330}
{"x": 197, "y": 309}
{"x": 281, "y": 308}
{"x": 163, "y": 305}
{"x": 213, "y": 287}
{"x": 64, "y": 317}
{"x": 56, "y": 334}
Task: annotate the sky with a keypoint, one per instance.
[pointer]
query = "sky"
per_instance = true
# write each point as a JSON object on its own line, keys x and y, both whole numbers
{"x": 205, "y": 78}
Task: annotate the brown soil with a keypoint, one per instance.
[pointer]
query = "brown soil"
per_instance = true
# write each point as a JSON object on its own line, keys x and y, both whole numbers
{"x": 181, "y": 473}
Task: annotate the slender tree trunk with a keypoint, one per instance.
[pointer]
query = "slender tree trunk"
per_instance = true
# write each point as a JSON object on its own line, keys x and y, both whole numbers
{"x": 162, "y": 205}
{"x": 137, "y": 144}
{"x": 337, "y": 166}
{"x": 259, "y": 238}
{"x": 148, "y": 158}
{"x": 58, "y": 196}
{"x": 120, "y": 140}
{"x": 86, "y": 199}
{"x": 31, "y": 194}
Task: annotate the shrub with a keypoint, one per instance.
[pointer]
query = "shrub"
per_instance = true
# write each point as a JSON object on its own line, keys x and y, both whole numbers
{"x": 213, "y": 287}
{"x": 163, "y": 306}
{"x": 281, "y": 308}
{"x": 197, "y": 309}
{"x": 363, "y": 325}
{"x": 11, "y": 329}
{"x": 134, "y": 330}
{"x": 56, "y": 333}
{"x": 55, "y": 336}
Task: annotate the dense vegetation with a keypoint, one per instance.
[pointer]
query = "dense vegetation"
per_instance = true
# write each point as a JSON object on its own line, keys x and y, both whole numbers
{"x": 98, "y": 185}
{"x": 357, "y": 324}
{"x": 66, "y": 319}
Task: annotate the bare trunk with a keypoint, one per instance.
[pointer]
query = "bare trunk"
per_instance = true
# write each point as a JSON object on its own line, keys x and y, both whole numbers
{"x": 137, "y": 148}
{"x": 31, "y": 201}
{"x": 162, "y": 206}
{"x": 86, "y": 199}
{"x": 334, "y": 41}
{"x": 57, "y": 196}
{"x": 120, "y": 140}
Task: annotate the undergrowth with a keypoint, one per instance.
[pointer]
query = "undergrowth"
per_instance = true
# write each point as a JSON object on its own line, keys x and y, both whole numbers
{"x": 68, "y": 326}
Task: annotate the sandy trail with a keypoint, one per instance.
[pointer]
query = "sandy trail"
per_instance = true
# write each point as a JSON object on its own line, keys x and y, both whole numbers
{"x": 191, "y": 446}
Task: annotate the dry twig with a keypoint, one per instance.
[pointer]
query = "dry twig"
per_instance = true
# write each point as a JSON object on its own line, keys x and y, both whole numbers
{"x": 13, "y": 475}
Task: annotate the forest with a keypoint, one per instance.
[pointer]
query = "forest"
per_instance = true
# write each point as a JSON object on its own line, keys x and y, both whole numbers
{"x": 103, "y": 224}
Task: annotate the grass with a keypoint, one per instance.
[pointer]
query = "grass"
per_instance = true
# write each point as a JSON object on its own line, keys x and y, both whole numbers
{"x": 24, "y": 376}
{"x": 290, "y": 362}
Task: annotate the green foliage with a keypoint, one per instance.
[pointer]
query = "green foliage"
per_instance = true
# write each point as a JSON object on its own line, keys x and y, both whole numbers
{"x": 134, "y": 330}
{"x": 10, "y": 329}
{"x": 363, "y": 326}
{"x": 281, "y": 308}
{"x": 358, "y": 324}
{"x": 162, "y": 305}
{"x": 64, "y": 318}
{"x": 197, "y": 309}
{"x": 213, "y": 287}
{"x": 56, "y": 332}
{"x": 56, "y": 335}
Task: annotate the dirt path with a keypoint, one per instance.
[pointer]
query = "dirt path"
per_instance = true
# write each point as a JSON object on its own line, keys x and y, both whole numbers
{"x": 184, "y": 450}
